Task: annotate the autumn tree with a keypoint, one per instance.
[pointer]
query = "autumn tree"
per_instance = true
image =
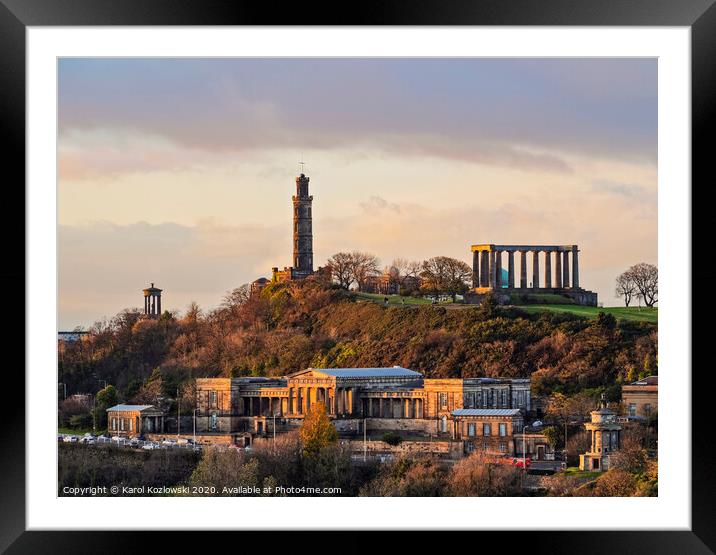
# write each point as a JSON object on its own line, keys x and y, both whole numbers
{"x": 317, "y": 430}
{"x": 476, "y": 476}
{"x": 228, "y": 468}
{"x": 151, "y": 391}
{"x": 236, "y": 297}
{"x": 445, "y": 275}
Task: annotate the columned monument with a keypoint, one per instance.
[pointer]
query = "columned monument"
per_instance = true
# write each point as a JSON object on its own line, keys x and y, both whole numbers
{"x": 152, "y": 302}
{"x": 487, "y": 272}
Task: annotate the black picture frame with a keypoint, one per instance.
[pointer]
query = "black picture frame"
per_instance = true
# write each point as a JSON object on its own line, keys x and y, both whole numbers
{"x": 17, "y": 15}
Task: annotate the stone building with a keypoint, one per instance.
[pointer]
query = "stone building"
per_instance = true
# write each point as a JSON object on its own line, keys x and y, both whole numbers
{"x": 134, "y": 420}
{"x": 387, "y": 284}
{"x": 381, "y": 398}
{"x": 563, "y": 279}
{"x": 605, "y": 433}
{"x": 491, "y": 431}
{"x": 640, "y": 398}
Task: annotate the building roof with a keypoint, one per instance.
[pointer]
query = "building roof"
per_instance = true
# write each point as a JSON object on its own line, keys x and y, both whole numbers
{"x": 486, "y": 412}
{"x": 395, "y": 371}
{"x": 261, "y": 280}
{"x": 131, "y": 407}
{"x": 649, "y": 380}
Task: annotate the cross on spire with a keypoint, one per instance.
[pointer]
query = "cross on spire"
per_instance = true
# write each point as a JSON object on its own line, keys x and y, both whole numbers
{"x": 302, "y": 163}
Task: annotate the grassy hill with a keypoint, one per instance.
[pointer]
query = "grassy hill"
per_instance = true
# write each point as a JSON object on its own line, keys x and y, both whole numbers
{"x": 633, "y": 314}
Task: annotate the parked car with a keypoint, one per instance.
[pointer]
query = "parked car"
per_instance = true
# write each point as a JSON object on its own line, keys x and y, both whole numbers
{"x": 70, "y": 439}
{"x": 149, "y": 446}
{"x": 521, "y": 463}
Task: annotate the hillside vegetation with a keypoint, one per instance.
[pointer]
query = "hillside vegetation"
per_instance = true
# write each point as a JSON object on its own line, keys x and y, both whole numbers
{"x": 297, "y": 325}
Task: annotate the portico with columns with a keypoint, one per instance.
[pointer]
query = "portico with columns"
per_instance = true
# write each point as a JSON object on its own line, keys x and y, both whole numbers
{"x": 559, "y": 272}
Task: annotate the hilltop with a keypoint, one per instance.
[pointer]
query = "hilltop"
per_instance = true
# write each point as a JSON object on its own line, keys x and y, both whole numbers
{"x": 295, "y": 325}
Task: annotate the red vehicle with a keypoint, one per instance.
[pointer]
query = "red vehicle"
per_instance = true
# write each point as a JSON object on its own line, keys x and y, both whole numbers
{"x": 519, "y": 462}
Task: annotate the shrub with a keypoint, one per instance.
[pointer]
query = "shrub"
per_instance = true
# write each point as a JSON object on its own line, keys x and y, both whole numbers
{"x": 392, "y": 438}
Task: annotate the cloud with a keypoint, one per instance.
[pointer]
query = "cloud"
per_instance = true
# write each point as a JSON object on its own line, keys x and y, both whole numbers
{"x": 523, "y": 114}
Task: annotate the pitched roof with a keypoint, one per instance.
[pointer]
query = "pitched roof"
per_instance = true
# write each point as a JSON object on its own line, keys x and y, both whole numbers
{"x": 394, "y": 372}
{"x": 649, "y": 380}
{"x": 486, "y": 412}
{"x": 132, "y": 407}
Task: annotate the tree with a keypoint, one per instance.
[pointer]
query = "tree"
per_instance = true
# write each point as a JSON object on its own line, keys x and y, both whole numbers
{"x": 477, "y": 476}
{"x": 646, "y": 281}
{"x": 151, "y": 391}
{"x": 317, "y": 430}
{"x": 236, "y": 297}
{"x": 445, "y": 275}
{"x": 364, "y": 265}
{"x": 341, "y": 267}
{"x": 104, "y": 399}
{"x": 625, "y": 287}
{"x": 228, "y": 468}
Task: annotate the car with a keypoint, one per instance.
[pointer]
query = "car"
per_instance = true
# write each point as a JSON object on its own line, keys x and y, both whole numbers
{"x": 519, "y": 462}
{"x": 169, "y": 443}
{"x": 70, "y": 439}
{"x": 134, "y": 442}
{"x": 103, "y": 439}
{"x": 149, "y": 446}
{"x": 60, "y": 437}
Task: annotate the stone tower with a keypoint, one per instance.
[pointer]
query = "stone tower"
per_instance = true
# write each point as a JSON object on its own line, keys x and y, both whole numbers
{"x": 152, "y": 302}
{"x": 302, "y": 230}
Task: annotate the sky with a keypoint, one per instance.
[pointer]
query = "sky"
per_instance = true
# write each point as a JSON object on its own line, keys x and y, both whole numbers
{"x": 180, "y": 171}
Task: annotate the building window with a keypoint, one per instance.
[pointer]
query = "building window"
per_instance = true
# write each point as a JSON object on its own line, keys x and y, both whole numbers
{"x": 503, "y": 398}
{"x": 632, "y": 409}
{"x": 503, "y": 447}
{"x": 647, "y": 410}
{"x": 121, "y": 424}
{"x": 471, "y": 429}
{"x": 131, "y": 425}
{"x": 443, "y": 424}
{"x": 485, "y": 446}
{"x": 214, "y": 421}
{"x": 114, "y": 423}
{"x": 443, "y": 400}
{"x": 212, "y": 399}
{"x": 486, "y": 429}
{"x": 479, "y": 399}
{"x": 503, "y": 429}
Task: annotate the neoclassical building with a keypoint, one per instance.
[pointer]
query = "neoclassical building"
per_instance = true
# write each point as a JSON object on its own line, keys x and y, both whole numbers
{"x": 390, "y": 398}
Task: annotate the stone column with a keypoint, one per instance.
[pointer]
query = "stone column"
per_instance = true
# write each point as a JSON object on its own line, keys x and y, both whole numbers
{"x": 535, "y": 269}
{"x": 370, "y": 407}
{"x": 565, "y": 269}
{"x": 558, "y": 270}
{"x": 492, "y": 269}
{"x": 511, "y": 269}
{"x": 498, "y": 269}
{"x": 548, "y": 269}
{"x": 159, "y": 305}
{"x": 145, "y": 305}
{"x": 349, "y": 400}
{"x": 523, "y": 269}
{"x": 484, "y": 268}
{"x": 476, "y": 269}
{"x": 575, "y": 267}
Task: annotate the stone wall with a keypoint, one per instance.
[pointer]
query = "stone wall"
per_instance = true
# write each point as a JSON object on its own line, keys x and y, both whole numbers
{"x": 449, "y": 449}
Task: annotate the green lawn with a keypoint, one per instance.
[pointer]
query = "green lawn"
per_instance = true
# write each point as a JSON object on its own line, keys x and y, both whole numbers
{"x": 574, "y": 471}
{"x": 620, "y": 313}
{"x": 395, "y": 300}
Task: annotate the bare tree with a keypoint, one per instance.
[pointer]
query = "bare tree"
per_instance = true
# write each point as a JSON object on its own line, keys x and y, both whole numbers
{"x": 341, "y": 268}
{"x": 625, "y": 287}
{"x": 646, "y": 280}
{"x": 364, "y": 265}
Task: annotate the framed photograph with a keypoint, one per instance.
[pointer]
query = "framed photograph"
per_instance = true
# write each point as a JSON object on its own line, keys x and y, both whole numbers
{"x": 398, "y": 272}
